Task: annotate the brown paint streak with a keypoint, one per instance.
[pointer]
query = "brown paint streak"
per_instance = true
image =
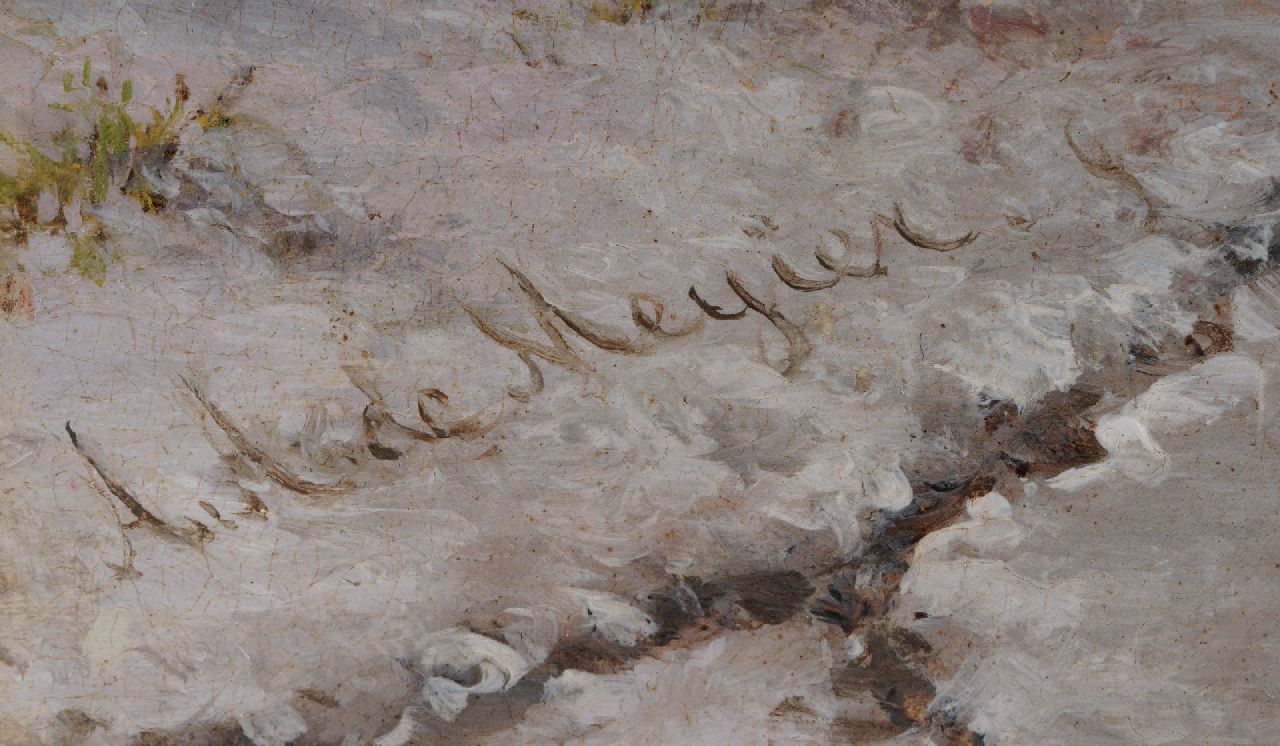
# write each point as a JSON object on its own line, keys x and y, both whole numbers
{"x": 798, "y": 348}
{"x": 272, "y": 467}
{"x": 916, "y": 238}
{"x": 142, "y": 516}
{"x": 1104, "y": 166}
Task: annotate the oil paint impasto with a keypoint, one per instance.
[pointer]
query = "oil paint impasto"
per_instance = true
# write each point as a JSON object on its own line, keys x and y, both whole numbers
{"x": 638, "y": 372}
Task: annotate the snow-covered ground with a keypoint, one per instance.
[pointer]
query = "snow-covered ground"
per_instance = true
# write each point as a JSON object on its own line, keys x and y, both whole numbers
{"x": 402, "y": 197}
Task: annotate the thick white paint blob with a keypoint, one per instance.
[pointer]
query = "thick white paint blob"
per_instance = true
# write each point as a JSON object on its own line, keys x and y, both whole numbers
{"x": 455, "y": 657}
{"x": 1180, "y": 401}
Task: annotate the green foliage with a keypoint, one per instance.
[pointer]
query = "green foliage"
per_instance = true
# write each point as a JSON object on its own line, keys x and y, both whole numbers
{"x": 619, "y": 12}
{"x": 104, "y": 148}
{"x": 39, "y": 28}
{"x": 38, "y": 174}
{"x": 99, "y": 158}
{"x": 87, "y": 259}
